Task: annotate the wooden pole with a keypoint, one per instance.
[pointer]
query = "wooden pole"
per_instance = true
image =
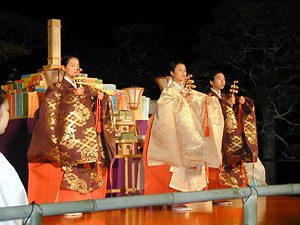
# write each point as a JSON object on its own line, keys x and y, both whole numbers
{"x": 54, "y": 44}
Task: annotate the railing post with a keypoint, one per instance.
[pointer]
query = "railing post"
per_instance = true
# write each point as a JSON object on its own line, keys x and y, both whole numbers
{"x": 250, "y": 209}
{"x": 35, "y": 219}
{"x": 35, "y": 216}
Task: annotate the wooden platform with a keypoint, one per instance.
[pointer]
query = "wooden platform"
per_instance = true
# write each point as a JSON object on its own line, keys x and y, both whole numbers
{"x": 270, "y": 210}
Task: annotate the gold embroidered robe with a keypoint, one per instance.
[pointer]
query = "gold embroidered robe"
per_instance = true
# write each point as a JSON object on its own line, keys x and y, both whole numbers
{"x": 239, "y": 141}
{"x": 65, "y": 135}
{"x": 178, "y": 139}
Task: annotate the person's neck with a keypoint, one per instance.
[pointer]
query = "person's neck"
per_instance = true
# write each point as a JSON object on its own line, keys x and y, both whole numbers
{"x": 178, "y": 82}
{"x": 70, "y": 78}
{"x": 217, "y": 91}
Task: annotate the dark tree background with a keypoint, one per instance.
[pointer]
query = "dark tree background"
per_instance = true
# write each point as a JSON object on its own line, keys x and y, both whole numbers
{"x": 258, "y": 43}
{"x": 21, "y": 48}
{"x": 254, "y": 42}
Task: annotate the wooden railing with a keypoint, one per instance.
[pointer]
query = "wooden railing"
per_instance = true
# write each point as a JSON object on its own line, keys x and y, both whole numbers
{"x": 249, "y": 195}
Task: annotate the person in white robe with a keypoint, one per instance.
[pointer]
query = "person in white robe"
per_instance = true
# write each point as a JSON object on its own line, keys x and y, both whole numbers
{"x": 186, "y": 134}
{"x": 12, "y": 191}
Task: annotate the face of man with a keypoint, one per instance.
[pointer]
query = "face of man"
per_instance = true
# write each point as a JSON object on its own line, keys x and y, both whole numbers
{"x": 72, "y": 68}
{"x": 4, "y": 116}
{"x": 179, "y": 73}
{"x": 219, "y": 82}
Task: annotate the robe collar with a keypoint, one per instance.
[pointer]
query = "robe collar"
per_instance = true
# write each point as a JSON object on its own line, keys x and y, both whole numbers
{"x": 72, "y": 83}
{"x": 217, "y": 93}
{"x": 171, "y": 81}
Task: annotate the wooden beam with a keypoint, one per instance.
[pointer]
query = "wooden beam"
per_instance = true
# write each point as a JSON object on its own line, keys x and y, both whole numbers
{"x": 54, "y": 44}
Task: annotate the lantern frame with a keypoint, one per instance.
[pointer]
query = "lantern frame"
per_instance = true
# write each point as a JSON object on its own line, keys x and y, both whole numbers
{"x": 133, "y": 95}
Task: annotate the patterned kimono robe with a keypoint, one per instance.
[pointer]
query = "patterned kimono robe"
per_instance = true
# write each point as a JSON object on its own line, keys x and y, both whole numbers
{"x": 239, "y": 141}
{"x": 65, "y": 135}
{"x": 177, "y": 138}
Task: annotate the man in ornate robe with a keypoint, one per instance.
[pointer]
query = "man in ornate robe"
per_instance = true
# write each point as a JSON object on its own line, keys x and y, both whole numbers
{"x": 239, "y": 142}
{"x": 67, "y": 157}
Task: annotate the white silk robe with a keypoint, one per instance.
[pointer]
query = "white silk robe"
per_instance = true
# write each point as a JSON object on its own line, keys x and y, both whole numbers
{"x": 12, "y": 191}
{"x": 178, "y": 137}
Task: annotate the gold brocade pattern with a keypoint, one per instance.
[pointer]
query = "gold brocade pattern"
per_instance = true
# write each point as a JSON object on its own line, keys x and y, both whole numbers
{"x": 54, "y": 153}
{"x": 230, "y": 123}
{"x": 250, "y": 129}
{"x": 229, "y": 180}
{"x": 88, "y": 146}
{"x": 80, "y": 114}
{"x": 233, "y": 177}
{"x": 75, "y": 183}
{"x": 65, "y": 135}
{"x": 235, "y": 143}
{"x": 51, "y": 113}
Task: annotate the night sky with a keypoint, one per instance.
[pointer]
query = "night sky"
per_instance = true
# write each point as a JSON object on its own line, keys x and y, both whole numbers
{"x": 180, "y": 21}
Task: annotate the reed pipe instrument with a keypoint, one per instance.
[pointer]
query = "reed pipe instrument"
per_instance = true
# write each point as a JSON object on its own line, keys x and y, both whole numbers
{"x": 234, "y": 88}
{"x": 189, "y": 83}
{"x": 79, "y": 79}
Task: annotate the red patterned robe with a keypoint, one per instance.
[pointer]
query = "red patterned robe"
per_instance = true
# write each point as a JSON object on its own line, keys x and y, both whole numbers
{"x": 239, "y": 143}
{"x": 65, "y": 136}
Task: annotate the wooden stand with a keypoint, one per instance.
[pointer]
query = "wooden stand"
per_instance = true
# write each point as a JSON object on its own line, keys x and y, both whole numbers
{"x": 127, "y": 150}
{"x": 126, "y": 190}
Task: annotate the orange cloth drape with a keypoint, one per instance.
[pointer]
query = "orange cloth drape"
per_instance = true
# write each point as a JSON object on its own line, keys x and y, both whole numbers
{"x": 213, "y": 177}
{"x": 44, "y": 185}
{"x": 157, "y": 178}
